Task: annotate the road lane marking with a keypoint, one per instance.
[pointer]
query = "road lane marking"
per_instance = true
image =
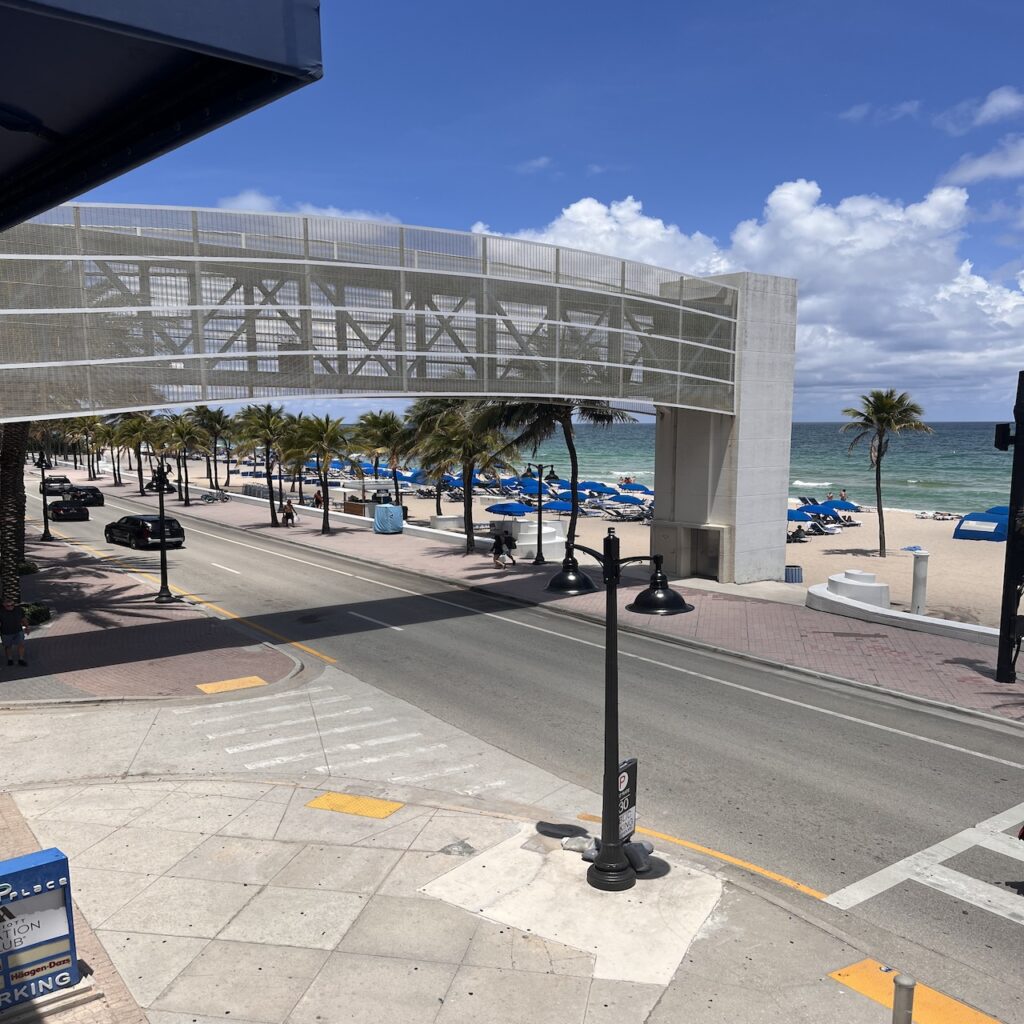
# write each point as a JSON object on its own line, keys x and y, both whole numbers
{"x": 376, "y": 622}
{"x": 306, "y": 755}
{"x": 625, "y": 654}
{"x": 251, "y": 700}
{"x": 927, "y": 867}
{"x": 874, "y": 980}
{"x": 726, "y": 857}
{"x": 226, "y": 568}
{"x": 225, "y": 685}
{"x": 453, "y": 770}
{"x": 378, "y": 758}
{"x": 282, "y": 708}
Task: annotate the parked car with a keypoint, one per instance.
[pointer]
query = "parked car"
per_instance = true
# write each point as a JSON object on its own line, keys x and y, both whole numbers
{"x": 87, "y": 495}
{"x": 143, "y": 531}
{"x": 66, "y": 511}
{"x": 54, "y": 485}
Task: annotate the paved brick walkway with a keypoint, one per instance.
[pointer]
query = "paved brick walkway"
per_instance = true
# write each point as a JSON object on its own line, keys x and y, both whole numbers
{"x": 951, "y": 671}
{"x": 109, "y": 639}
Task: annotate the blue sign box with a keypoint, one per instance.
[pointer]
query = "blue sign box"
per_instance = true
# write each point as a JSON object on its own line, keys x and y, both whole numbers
{"x": 37, "y": 931}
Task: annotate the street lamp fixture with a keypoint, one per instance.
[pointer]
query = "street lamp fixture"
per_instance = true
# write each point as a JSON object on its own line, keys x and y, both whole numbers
{"x": 611, "y": 870}
{"x": 164, "y": 595}
{"x": 41, "y": 463}
{"x": 539, "y": 559}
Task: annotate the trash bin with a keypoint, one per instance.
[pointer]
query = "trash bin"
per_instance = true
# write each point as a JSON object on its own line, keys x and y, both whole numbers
{"x": 387, "y": 519}
{"x": 794, "y": 574}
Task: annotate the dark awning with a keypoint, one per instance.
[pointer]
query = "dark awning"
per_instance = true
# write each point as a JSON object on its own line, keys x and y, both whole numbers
{"x": 92, "y": 88}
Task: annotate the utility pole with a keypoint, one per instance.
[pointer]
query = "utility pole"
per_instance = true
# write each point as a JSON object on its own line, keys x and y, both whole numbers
{"x": 1013, "y": 567}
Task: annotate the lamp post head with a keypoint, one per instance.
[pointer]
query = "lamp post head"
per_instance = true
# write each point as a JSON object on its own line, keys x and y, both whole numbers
{"x": 527, "y": 474}
{"x": 552, "y": 476}
{"x": 571, "y": 580}
{"x": 659, "y": 598}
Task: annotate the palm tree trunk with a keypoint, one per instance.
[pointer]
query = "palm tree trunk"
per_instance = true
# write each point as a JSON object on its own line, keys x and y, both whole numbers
{"x": 467, "y": 505}
{"x": 269, "y": 471}
{"x": 216, "y": 482}
{"x": 437, "y": 497}
{"x": 13, "y": 444}
{"x": 321, "y": 475}
{"x": 138, "y": 466}
{"x": 574, "y": 475}
{"x": 398, "y": 492}
{"x": 280, "y": 487}
{"x": 878, "y": 505}
{"x": 227, "y": 464}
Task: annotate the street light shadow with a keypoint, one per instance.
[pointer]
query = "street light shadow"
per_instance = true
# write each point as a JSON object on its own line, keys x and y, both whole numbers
{"x": 659, "y": 869}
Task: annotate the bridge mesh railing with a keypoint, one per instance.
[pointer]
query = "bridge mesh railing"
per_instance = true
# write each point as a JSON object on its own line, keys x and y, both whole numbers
{"x": 104, "y": 308}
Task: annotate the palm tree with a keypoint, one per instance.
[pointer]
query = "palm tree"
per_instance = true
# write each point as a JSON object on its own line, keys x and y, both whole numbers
{"x": 882, "y": 413}
{"x": 457, "y": 434}
{"x": 323, "y": 439}
{"x": 264, "y": 426}
{"x": 420, "y": 418}
{"x": 183, "y": 436}
{"x": 533, "y": 423}
{"x": 384, "y": 436}
{"x": 217, "y": 424}
{"x": 133, "y": 432}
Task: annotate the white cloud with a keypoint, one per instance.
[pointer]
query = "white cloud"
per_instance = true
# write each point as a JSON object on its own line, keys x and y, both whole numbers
{"x": 999, "y": 105}
{"x": 255, "y": 201}
{"x": 538, "y": 163}
{"x": 1006, "y": 160}
{"x": 886, "y": 298}
{"x": 881, "y": 115}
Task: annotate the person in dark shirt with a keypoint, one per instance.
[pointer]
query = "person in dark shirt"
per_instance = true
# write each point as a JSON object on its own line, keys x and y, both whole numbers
{"x": 13, "y": 628}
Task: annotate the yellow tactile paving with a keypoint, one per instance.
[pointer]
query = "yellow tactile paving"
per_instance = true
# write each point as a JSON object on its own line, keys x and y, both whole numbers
{"x": 348, "y": 803}
{"x": 242, "y": 683}
{"x": 874, "y": 980}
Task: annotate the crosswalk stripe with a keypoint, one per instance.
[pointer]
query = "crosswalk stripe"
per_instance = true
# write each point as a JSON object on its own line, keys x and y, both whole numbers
{"x": 280, "y": 709}
{"x": 290, "y": 695}
{"x": 306, "y": 755}
{"x": 433, "y": 775}
{"x": 363, "y": 761}
{"x": 311, "y": 717}
{"x": 971, "y": 890}
{"x": 278, "y": 741}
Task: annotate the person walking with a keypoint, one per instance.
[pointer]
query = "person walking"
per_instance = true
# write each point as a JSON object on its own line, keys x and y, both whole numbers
{"x": 498, "y": 551}
{"x": 13, "y": 629}
{"x": 509, "y": 544}
{"x": 288, "y": 513}
{"x": 318, "y": 499}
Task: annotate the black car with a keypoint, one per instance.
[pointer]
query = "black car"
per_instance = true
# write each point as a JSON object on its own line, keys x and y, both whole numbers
{"x": 65, "y": 511}
{"x": 143, "y": 532}
{"x": 54, "y": 485}
{"x": 87, "y": 495}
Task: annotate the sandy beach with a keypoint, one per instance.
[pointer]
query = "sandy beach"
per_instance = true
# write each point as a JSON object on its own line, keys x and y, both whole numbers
{"x": 964, "y": 577}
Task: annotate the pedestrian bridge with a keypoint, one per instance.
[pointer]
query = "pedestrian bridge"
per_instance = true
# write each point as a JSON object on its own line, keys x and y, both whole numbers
{"x": 112, "y": 308}
{"x": 109, "y": 308}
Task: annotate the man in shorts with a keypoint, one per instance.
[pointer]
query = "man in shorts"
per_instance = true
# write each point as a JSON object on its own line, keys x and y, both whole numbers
{"x": 13, "y": 627}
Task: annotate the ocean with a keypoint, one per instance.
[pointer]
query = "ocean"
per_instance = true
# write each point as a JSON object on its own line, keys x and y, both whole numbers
{"x": 955, "y": 469}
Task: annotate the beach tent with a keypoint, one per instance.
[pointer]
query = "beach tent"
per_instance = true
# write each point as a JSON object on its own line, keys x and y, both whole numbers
{"x": 981, "y": 526}
{"x": 558, "y": 506}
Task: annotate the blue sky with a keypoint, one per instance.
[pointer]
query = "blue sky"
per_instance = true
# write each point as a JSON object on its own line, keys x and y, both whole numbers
{"x": 874, "y": 151}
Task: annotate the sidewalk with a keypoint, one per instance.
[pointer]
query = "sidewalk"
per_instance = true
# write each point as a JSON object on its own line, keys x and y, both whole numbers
{"x": 109, "y": 639}
{"x": 934, "y": 668}
{"x": 305, "y": 914}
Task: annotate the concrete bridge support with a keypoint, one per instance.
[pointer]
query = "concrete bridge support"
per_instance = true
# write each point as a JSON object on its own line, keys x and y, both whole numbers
{"x": 723, "y": 481}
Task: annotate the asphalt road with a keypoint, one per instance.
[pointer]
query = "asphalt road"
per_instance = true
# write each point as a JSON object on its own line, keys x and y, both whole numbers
{"x": 823, "y": 784}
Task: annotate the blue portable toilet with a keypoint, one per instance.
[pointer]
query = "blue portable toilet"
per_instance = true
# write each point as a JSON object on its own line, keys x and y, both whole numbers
{"x": 981, "y": 526}
{"x": 387, "y": 519}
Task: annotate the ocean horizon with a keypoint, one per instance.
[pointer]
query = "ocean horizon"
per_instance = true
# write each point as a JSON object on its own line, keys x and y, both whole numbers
{"x": 955, "y": 469}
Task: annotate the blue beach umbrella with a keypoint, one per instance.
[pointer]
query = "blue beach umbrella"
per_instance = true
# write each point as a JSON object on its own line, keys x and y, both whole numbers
{"x": 637, "y": 487}
{"x": 797, "y": 515}
{"x": 844, "y": 506}
{"x": 510, "y": 508}
{"x": 558, "y": 506}
{"x": 597, "y": 486}
{"x": 567, "y": 495}
{"x": 627, "y": 499}
{"x": 529, "y": 486}
{"x": 820, "y": 510}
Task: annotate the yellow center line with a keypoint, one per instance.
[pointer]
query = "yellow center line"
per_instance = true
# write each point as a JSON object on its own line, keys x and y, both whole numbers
{"x": 718, "y": 855}
{"x": 874, "y": 980}
{"x": 114, "y": 561}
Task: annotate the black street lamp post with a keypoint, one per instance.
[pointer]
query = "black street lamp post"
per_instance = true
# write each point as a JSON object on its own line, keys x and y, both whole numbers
{"x": 539, "y": 559}
{"x": 45, "y": 535}
{"x": 164, "y": 595}
{"x": 611, "y": 869}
